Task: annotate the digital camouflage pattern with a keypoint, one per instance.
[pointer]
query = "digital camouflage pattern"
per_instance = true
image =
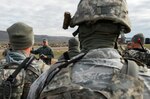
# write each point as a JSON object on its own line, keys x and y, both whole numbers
{"x": 144, "y": 74}
{"x": 144, "y": 71}
{"x": 139, "y": 55}
{"x": 32, "y": 73}
{"x": 25, "y": 78}
{"x": 118, "y": 89}
{"x": 17, "y": 87}
{"x": 91, "y": 11}
{"x": 92, "y": 77}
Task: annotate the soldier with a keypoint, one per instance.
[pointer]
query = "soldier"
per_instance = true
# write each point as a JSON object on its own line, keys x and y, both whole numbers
{"x": 73, "y": 49}
{"x": 45, "y": 52}
{"x": 101, "y": 73}
{"x": 142, "y": 57}
{"x": 138, "y": 51}
{"x": 21, "y": 38}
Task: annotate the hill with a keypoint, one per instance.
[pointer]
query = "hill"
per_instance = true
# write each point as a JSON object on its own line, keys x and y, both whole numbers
{"x": 38, "y": 38}
{"x": 3, "y": 37}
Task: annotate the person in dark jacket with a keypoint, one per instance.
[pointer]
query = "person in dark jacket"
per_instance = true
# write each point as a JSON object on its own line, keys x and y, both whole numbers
{"x": 45, "y": 52}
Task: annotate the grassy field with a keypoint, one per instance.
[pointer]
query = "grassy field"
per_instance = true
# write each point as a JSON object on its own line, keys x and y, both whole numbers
{"x": 57, "y": 51}
{"x": 147, "y": 46}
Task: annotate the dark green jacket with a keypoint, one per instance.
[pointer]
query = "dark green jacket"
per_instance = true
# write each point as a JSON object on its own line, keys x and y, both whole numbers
{"x": 44, "y": 50}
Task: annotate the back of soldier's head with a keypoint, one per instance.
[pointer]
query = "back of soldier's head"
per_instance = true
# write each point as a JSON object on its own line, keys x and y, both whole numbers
{"x": 20, "y": 36}
{"x": 138, "y": 38}
{"x": 101, "y": 22}
{"x": 73, "y": 42}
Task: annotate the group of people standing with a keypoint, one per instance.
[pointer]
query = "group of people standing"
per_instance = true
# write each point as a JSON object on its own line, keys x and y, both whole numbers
{"x": 99, "y": 71}
{"x": 21, "y": 41}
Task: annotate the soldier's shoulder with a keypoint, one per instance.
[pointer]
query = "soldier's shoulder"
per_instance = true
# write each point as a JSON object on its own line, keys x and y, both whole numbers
{"x": 40, "y": 65}
{"x": 133, "y": 51}
{"x": 128, "y": 52}
{"x": 41, "y": 47}
{"x": 37, "y": 63}
{"x": 48, "y": 47}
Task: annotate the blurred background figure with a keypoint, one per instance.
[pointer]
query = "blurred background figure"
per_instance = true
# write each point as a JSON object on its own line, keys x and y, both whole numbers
{"x": 9, "y": 48}
{"x": 138, "y": 41}
{"x": 45, "y": 52}
{"x": 129, "y": 45}
{"x": 73, "y": 49}
{"x": 137, "y": 50}
{"x": 21, "y": 38}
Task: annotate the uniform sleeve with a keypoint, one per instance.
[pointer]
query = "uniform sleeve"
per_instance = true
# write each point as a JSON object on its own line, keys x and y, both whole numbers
{"x": 50, "y": 53}
{"x": 36, "y": 51}
{"x": 42, "y": 66}
{"x": 32, "y": 73}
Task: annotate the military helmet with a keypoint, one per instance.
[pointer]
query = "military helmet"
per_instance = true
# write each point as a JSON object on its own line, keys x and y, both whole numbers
{"x": 96, "y": 10}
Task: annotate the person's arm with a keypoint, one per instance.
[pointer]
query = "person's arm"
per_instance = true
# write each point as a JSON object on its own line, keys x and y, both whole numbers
{"x": 35, "y": 51}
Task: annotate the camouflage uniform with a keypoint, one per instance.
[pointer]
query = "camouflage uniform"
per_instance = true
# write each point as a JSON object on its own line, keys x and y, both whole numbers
{"x": 142, "y": 57}
{"x": 144, "y": 71}
{"x": 144, "y": 74}
{"x": 101, "y": 73}
{"x": 21, "y": 38}
{"x": 25, "y": 78}
{"x": 139, "y": 55}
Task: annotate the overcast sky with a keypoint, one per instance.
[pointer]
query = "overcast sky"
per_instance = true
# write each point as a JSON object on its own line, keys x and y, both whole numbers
{"x": 46, "y": 16}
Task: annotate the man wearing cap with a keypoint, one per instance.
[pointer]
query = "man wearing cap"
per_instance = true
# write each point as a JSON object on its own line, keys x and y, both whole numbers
{"x": 142, "y": 57}
{"x": 45, "y": 52}
{"x": 138, "y": 51}
{"x": 21, "y": 38}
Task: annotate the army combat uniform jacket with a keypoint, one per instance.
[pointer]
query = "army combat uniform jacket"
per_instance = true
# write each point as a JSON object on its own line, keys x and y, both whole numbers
{"x": 144, "y": 70}
{"x": 24, "y": 79}
{"x": 96, "y": 76}
{"x": 139, "y": 54}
